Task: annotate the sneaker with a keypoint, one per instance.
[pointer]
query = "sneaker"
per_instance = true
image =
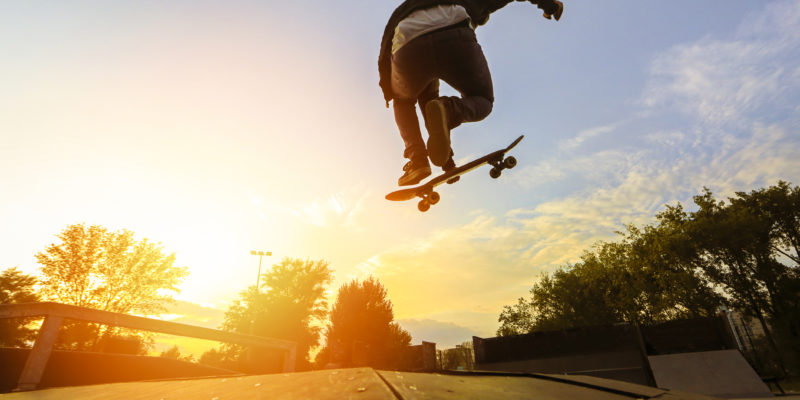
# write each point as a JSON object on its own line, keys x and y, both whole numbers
{"x": 438, "y": 132}
{"x": 450, "y": 164}
{"x": 415, "y": 171}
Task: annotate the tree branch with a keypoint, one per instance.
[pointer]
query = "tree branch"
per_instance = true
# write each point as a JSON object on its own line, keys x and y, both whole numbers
{"x": 791, "y": 257}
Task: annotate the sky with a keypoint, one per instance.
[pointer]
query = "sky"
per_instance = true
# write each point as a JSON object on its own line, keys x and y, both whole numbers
{"x": 221, "y": 127}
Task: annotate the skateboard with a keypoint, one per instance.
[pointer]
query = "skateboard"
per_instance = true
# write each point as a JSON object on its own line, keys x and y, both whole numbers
{"x": 429, "y": 197}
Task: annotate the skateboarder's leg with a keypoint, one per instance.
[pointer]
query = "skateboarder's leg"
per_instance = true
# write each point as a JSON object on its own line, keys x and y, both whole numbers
{"x": 459, "y": 62}
{"x": 405, "y": 115}
{"x": 466, "y": 70}
{"x": 429, "y": 93}
{"x": 418, "y": 167}
{"x": 409, "y": 81}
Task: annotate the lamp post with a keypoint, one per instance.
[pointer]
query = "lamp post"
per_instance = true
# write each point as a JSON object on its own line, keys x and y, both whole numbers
{"x": 260, "y": 255}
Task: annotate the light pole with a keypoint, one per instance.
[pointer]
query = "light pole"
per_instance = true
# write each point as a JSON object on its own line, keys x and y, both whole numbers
{"x": 260, "y": 255}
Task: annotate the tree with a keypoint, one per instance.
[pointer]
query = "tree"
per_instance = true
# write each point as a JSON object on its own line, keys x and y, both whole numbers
{"x": 362, "y": 331}
{"x": 748, "y": 247}
{"x": 291, "y": 305}
{"x": 174, "y": 353}
{"x": 778, "y": 210}
{"x": 16, "y": 287}
{"x": 462, "y": 357}
{"x": 93, "y": 267}
{"x": 216, "y": 358}
{"x": 635, "y": 280}
{"x": 744, "y": 253}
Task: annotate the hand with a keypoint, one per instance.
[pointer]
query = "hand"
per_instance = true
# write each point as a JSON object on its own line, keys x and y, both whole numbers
{"x": 557, "y": 13}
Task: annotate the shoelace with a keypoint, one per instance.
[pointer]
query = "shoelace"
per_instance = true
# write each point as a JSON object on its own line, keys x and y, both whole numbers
{"x": 408, "y": 166}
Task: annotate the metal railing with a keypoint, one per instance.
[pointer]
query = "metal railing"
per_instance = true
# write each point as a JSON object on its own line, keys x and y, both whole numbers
{"x": 55, "y": 313}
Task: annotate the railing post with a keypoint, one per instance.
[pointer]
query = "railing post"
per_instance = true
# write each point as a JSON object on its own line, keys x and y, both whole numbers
{"x": 37, "y": 359}
{"x": 289, "y": 357}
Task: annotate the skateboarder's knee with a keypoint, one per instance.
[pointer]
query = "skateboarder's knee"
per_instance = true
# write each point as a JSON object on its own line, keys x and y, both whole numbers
{"x": 483, "y": 107}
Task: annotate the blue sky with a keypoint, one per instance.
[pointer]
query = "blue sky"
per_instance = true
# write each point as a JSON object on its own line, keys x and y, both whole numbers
{"x": 220, "y": 127}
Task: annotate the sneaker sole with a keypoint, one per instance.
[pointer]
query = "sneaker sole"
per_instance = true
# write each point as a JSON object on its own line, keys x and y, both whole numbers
{"x": 415, "y": 177}
{"x": 439, "y": 134}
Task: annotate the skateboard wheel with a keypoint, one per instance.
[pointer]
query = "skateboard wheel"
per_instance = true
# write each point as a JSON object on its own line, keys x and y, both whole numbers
{"x": 495, "y": 172}
{"x": 510, "y": 162}
{"x": 434, "y": 197}
{"x": 424, "y": 205}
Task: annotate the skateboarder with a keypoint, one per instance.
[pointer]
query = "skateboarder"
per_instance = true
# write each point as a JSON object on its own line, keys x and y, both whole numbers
{"x": 423, "y": 42}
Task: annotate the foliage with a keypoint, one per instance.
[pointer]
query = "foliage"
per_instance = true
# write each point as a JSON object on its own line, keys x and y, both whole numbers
{"x": 16, "y": 287}
{"x": 361, "y": 331}
{"x": 290, "y": 306}
{"x": 215, "y": 358}
{"x": 632, "y": 281}
{"x": 93, "y": 267}
{"x": 124, "y": 341}
{"x": 461, "y": 358}
{"x": 751, "y": 249}
{"x": 175, "y": 353}
{"x": 744, "y": 252}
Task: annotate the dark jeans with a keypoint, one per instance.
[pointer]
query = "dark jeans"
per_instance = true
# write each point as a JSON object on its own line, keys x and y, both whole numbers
{"x": 452, "y": 55}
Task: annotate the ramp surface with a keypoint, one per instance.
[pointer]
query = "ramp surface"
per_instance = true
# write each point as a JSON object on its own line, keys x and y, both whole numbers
{"x": 723, "y": 373}
{"x": 365, "y": 384}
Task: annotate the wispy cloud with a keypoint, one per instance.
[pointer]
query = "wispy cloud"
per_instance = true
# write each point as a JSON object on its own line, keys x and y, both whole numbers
{"x": 341, "y": 209}
{"x": 600, "y": 166}
{"x": 721, "y": 80}
{"x": 668, "y": 139}
{"x": 471, "y": 267}
{"x": 586, "y": 135}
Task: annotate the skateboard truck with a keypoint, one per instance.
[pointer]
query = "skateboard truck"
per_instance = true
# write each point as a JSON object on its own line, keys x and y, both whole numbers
{"x": 428, "y": 199}
{"x": 499, "y": 165}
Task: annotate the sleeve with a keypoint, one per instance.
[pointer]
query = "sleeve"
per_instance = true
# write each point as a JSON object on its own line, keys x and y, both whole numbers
{"x": 385, "y": 56}
{"x": 385, "y": 71}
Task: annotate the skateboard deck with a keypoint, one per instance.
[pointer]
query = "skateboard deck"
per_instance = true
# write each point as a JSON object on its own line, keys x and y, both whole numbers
{"x": 429, "y": 197}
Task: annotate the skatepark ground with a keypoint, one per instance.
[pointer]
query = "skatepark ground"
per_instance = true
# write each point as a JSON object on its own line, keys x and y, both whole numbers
{"x": 367, "y": 383}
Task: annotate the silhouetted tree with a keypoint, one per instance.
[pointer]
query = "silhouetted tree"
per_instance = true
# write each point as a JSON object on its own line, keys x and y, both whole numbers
{"x": 291, "y": 305}
{"x": 635, "y": 280}
{"x": 175, "y": 353}
{"x": 777, "y": 209}
{"x": 361, "y": 331}
{"x": 748, "y": 248}
{"x": 216, "y": 358}
{"x": 93, "y": 267}
{"x": 462, "y": 357}
{"x": 16, "y": 287}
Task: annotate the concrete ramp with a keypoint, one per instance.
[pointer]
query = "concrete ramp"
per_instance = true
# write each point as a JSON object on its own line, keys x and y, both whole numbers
{"x": 366, "y": 384}
{"x": 723, "y": 373}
